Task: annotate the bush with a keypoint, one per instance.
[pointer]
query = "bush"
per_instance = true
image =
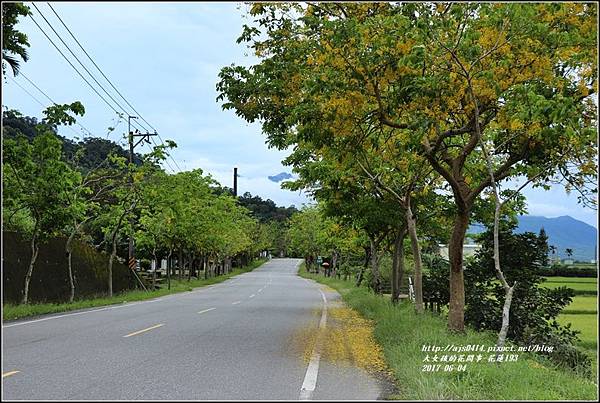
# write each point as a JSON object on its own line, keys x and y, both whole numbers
{"x": 348, "y": 271}
{"x": 435, "y": 279}
{"x": 534, "y": 308}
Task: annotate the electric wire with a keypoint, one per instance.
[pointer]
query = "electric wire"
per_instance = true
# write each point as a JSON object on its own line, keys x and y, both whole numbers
{"x": 44, "y": 105}
{"x": 139, "y": 125}
{"x": 104, "y": 75}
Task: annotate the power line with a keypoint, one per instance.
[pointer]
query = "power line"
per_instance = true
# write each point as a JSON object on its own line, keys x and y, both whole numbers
{"x": 71, "y": 64}
{"x": 119, "y": 120}
{"x": 97, "y": 67}
{"x": 139, "y": 125}
{"x": 50, "y": 99}
{"x": 79, "y": 61}
{"x": 28, "y": 93}
{"x": 166, "y": 160}
{"x": 107, "y": 79}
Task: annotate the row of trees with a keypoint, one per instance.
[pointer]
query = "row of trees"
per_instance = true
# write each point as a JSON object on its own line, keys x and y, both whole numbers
{"x": 408, "y": 120}
{"x": 90, "y": 191}
{"x": 187, "y": 215}
{"x": 524, "y": 256}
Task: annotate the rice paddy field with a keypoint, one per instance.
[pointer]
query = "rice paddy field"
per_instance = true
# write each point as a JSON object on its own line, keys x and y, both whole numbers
{"x": 582, "y": 312}
{"x": 581, "y": 285}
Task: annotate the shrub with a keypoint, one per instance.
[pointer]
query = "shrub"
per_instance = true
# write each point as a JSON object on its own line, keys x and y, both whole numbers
{"x": 534, "y": 308}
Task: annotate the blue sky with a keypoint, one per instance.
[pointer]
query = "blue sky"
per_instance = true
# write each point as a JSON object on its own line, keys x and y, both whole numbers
{"x": 165, "y": 58}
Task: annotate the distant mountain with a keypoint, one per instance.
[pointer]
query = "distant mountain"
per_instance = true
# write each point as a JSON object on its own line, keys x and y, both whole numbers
{"x": 563, "y": 232}
{"x": 279, "y": 177}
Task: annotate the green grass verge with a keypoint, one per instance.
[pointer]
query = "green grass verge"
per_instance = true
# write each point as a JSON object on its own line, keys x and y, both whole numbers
{"x": 11, "y": 312}
{"x": 402, "y": 334}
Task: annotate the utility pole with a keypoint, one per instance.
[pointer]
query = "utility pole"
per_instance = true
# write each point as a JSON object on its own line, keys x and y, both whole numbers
{"x": 143, "y": 137}
{"x": 235, "y": 175}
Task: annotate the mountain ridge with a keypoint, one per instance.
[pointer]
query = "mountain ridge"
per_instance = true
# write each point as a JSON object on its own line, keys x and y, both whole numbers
{"x": 563, "y": 232}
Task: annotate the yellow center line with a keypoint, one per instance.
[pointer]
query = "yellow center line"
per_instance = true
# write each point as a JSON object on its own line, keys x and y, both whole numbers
{"x": 144, "y": 330}
{"x": 9, "y": 373}
{"x": 206, "y": 310}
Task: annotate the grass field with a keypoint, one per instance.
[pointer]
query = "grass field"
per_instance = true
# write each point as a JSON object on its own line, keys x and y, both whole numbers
{"x": 581, "y": 285}
{"x": 402, "y": 335}
{"x": 587, "y": 324}
{"x": 583, "y": 304}
{"x": 585, "y": 280}
{"x": 576, "y": 283}
{"x": 582, "y": 312}
{"x": 10, "y": 312}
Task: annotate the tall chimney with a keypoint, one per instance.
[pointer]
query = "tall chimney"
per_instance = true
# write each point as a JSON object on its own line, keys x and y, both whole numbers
{"x": 235, "y": 181}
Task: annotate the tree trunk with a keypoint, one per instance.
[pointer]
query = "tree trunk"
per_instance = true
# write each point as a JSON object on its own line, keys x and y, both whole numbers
{"x": 398, "y": 264}
{"x": 190, "y": 261}
{"x": 414, "y": 241}
{"x": 69, "y": 250}
{"x": 154, "y": 271}
{"x": 34, "y": 253}
{"x": 508, "y": 290}
{"x": 180, "y": 265}
{"x": 362, "y": 270}
{"x": 71, "y": 279}
{"x": 110, "y": 263}
{"x": 375, "y": 267}
{"x": 169, "y": 268}
{"x": 334, "y": 260}
{"x": 456, "y": 313}
{"x": 505, "y": 317}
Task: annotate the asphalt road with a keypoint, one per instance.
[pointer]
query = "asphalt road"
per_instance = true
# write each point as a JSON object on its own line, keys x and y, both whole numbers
{"x": 236, "y": 340}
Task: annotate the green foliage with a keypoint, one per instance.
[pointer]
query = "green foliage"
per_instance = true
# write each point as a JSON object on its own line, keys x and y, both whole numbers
{"x": 534, "y": 308}
{"x": 84, "y": 155}
{"x": 306, "y": 230}
{"x": 105, "y": 199}
{"x": 36, "y": 179}
{"x": 403, "y": 90}
{"x": 435, "y": 279}
{"x": 58, "y": 114}
{"x": 14, "y": 42}
{"x": 181, "y": 211}
{"x": 265, "y": 210}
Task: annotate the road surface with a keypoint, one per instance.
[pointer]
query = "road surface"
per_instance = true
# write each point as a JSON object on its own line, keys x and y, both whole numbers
{"x": 235, "y": 340}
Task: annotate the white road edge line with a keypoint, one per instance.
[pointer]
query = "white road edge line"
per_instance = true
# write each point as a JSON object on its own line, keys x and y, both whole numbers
{"x": 312, "y": 372}
{"x": 108, "y": 308}
{"x": 235, "y": 303}
{"x": 252, "y": 296}
{"x": 76, "y": 313}
{"x": 9, "y": 373}
{"x": 207, "y": 310}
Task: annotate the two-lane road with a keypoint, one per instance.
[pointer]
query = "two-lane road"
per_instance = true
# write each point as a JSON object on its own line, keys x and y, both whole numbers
{"x": 233, "y": 340}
